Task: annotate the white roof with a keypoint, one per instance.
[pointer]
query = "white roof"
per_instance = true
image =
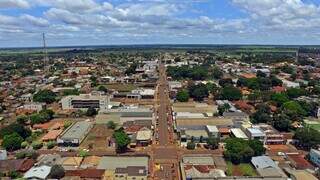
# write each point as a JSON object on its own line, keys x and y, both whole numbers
{"x": 238, "y": 133}
{"x": 256, "y": 132}
{"x": 40, "y": 172}
{"x": 144, "y": 135}
{"x": 189, "y": 115}
{"x": 212, "y": 128}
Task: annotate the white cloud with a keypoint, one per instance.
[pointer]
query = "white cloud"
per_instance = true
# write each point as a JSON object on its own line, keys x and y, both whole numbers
{"x": 36, "y": 21}
{"x": 14, "y": 4}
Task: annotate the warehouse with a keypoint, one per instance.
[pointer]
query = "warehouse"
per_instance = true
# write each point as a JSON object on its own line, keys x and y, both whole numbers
{"x": 74, "y": 135}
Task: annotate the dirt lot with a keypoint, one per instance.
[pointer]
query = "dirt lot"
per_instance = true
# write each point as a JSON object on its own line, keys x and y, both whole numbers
{"x": 97, "y": 138}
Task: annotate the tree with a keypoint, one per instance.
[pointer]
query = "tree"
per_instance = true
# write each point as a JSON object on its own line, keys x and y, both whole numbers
{"x": 295, "y": 92}
{"x": 102, "y": 88}
{"x": 307, "y": 137}
{"x": 46, "y": 96}
{"x": 183, "y": 96}
{"x": 294, "y": 110}
{"x": 262, "y": 115}
{"x": 261, "y": 74}
{"x": 122, "y": 139}
{"x": 91, "y": 112}
{"x": 37, "y": 145}
{"x": 221, "y": 109}
{"x": 111, "y": 125}
{"x": 230, "y": 93}
{"x": 22, "y": 119}
{"x": 57, "y": 172}
{"x": 279, "y": 98}
{"x": 68, "y": 92}
{"x": 51, "y": 144}
{"x": 199, "y": 91}
{"x": 281, "y": 122}
{"x": 213, "y": 142}
{"x": 225, "y": 82}
{"x": 191, "y": 145}
{"x": 24, "y": 132}
{"x": 12, "y": 142}
{"x": 275, "y": 81}
{"x": 217, "y": 73}
{"x": 257, "y": 146}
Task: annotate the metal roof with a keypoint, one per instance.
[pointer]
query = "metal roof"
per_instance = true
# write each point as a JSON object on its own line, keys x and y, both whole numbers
{"x": 112, "y": 162}
{"x": 77, "y": 130}
{"x": 263, "y": 162}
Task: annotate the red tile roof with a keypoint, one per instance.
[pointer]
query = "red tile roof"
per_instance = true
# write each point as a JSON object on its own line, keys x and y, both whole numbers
{"x": 299, "y": 161}
{"x": 278, "y": 89}
{"x": 86, "y": 173}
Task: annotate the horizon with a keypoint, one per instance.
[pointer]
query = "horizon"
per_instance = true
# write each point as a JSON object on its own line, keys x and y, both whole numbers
{"x": 135, "y": 22}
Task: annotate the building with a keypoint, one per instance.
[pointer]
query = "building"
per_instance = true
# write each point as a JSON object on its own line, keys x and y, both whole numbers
{"x": 266, "y": 167}
{"x": 141, "y": 94}
{"x": 30, "y": 108}
{"x": 255, "y": 134}
{"x": 144, "y": 137}
{"x": 299, "y": 174}
{"x": 315, "y": 157}
{"x": 130, "y": 173}
{"x": 200, "y": 167}
{"x": 39, "y": 172}
{"x": 212, "y": 131}
{"x": 85, "y": 101}
{"x": 238, "y": 133}
{"x": 74, "y": 135}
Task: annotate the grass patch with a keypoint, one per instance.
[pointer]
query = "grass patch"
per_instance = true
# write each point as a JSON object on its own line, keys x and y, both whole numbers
{"x": 121, "y": 87}
{"x": 243, "y": 169}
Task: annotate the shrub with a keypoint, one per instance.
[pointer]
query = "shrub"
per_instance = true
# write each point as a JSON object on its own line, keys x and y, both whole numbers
{"x": 37, "y": 145}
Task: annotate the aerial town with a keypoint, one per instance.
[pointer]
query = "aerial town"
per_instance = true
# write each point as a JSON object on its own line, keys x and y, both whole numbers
{"x": 218, "y": 113}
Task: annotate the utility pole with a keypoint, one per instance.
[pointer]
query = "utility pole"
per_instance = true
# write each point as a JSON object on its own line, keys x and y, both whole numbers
{"x": 45, "y": 52}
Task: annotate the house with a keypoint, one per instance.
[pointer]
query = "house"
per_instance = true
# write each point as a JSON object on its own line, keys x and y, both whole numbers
{"x": 30, "y": 108}
{"x": 74, "y": 135}
{"x": 71, "y": 163}
{"x": 295, "y": 174}
{"x": 266, "y": 167}
{"x": 20, "y": 165}
{"x": 238, "y": 133}
{"x": 131, "y": 172}
{"x": 200, "y": 167}
{"x": 144, "y": 137}
{"x": 51, "y": 135}
{"x": 212, "y": 131}
{"x": 255, "y": 134}
{"x": 315, "y": 157}
{"x": 113, "y": 162}
{"x": 38, "y": 172}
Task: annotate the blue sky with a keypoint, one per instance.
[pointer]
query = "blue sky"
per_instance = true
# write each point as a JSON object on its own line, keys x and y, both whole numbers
{"x": 107, "y": 22}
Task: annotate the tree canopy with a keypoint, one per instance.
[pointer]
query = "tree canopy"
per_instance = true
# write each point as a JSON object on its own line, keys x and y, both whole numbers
{"x": 12, "y": 141}
{"x": 183, "y": 96}
{"x": 122, "y": 139}
{"x": 46, "y": 96}
{"x": 230, "y": 93}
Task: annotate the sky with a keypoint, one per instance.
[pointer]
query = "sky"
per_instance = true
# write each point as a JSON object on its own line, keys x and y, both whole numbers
{"x": 117, "y": 22}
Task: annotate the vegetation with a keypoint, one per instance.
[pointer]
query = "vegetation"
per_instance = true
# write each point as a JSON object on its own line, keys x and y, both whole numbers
{"x": 46, "y": 96}
{"x": 12, "y": 142}
{"x": 122, "y": 139}
{"x": 111, "y": 125}
{"x": 199, "y": 92}
{"x": 69, "y": 92}
{"x": 15, "y": 128}
{"x": 191, "y": 145}
{"x": 57, "y": 172}
{"x": 230, "y": 93}
{"x": 91, "y": 112}
{"x": 307, "y": 138}
{"x": 183, "y": 96}
{"x": 37, "y": 145}
{"x": 239, "y": 150}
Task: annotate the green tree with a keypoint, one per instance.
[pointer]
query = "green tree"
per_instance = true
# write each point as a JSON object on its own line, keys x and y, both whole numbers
{"x": 24, "y": 132}
{"x": 294, "y": 110}
{"x": 257, "y": 146}
{"x": 230, "y": 93}
{"x": 281, "y": 122}
{"x": 262, "y": 115}
{"x": 199, "y": 91}
{"x": 213, "y": 142}
{"x": 57, "y": 172}
{"x": 183, "y": 96}
{"x": 217, "y": 73}
{"x": 37, "y": 145}
{"x": 295, "y": 92}
{"x": 22, "y": 119}
{"x": 12, "y": 142}
{"x": 122, "y": 139}
{"x": 307, "y": 138}
{"x": 223, "y": 108}
{"x": 46, "y": 96}
{"x": 51, "y": 144}
{"x": 279, "y": 98}
{"x": 91, "y": 111}
{"x": 102, "y": 88}
{"x": 111, "y": 125}
{"x": 69, "y": 92}
{"x": 191, "y": 145}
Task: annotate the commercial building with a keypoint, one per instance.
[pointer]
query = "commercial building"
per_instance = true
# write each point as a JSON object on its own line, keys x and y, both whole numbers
{"x": 238, "y": 133}
{"x": 111, "y": 163}
{"x": 85, "y": 101}
{"x": 255, "y": 134}
{"x": 266, "y": 167}
{"x": 74, "y": 135}
{"x": 131, "y": 172}
{"x": 39, "y": 172}
{"x": 213, "y": 131}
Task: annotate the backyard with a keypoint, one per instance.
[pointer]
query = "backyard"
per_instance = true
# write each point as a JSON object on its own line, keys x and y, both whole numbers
{"x": 243, "y": 169}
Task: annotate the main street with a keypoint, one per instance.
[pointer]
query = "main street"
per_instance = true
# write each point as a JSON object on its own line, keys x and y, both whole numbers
{"x": 164, "y": 154}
